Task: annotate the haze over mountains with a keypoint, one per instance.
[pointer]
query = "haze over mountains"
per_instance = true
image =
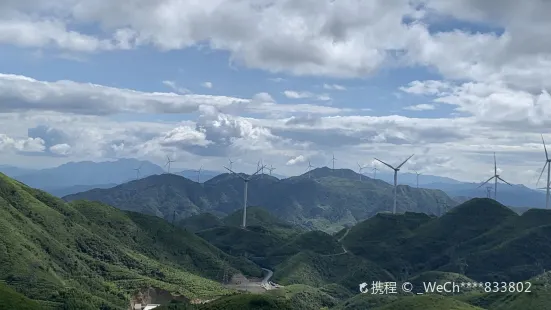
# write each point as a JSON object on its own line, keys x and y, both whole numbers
{"x": 78, "y": 177}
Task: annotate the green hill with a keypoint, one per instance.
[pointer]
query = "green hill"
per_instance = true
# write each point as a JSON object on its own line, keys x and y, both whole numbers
{"x": 318, "y": 270}
{"x": 480, "y": 238}
{"x": 249, "y": 302}
{"x": 88, "y": 255}
{"x": 199, "y": 222}
{"x": 328, "y": 201}
{"x": 316, "y": 241}
{"x": 306, "y": 297}
{"x": 10, "y": 299}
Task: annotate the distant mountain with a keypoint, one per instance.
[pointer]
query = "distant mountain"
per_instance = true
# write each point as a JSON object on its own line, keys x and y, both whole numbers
{"x": 411, "y": 178}
{"x": 87, "y": 173}
{"x": 514, "y": 196}
{"x": 326, "y": 200}
{"x": 14, "y": 171}
{"x": 192, "y": 174}
{"x": 64, "y": 191}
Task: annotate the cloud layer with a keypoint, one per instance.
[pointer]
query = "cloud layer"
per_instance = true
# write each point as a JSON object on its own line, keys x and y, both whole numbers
{"x": 494, "y": 80}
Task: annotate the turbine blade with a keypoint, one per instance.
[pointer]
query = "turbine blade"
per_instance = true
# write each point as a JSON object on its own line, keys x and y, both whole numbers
{"x": 495, "y": 164}
{"x": 505, "y": 181}
{"x": 257, "y": 171}
{"x": 486, "y": 181}
{"x": 542, "y": 171}
{"x": 545, "y": 148}
{"x": 404, "y": 161}
{"x": 382, "y": 162}
{"x": 237, "y": 174}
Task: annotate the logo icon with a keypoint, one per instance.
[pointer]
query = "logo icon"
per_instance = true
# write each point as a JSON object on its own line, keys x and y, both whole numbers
{"x": 363, "y": 288}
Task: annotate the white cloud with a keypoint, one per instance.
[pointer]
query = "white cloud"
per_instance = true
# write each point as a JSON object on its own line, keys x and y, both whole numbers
{"x": 207, "y": 84}
{"x": 304, "y": 94}
{"x": 22, "y": 145}
{"x": 20, "y": 93}
{"x": 420, "y": 107}
{"x": 296, "y": 160}
{"x": 334, "y": 87}
{"x": 61, "y": 149}
{"x": 172, "y": 85}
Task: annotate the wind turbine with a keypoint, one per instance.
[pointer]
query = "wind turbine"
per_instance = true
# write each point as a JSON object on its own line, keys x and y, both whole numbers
{"x": 548, "y": 164}
{"x": 417, "y": 176}
{"x": 245, "y": 192}
{"x": 260, "y": 166}
{"x": 395, "y": 177}
{"x": 231, "y": 162}
{"x": 375, "y": 172}
{"x": 271, "y": 169}
{"x": 199, "y": 174}
{"x": 168, "y": 162}
{"x": 138, "y": 171}
{"x": 488, "y": 192}
{"x": 360, "y": 168}
{"x": 495, "y": 177}
{"x": 308, "y": 169}
{"x": 333, "y": 160}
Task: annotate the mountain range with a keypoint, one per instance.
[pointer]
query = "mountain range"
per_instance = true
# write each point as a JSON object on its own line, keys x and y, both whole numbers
{"x": 88, "y": 255}
{"x": 322, "y": 199}
{"x": 78, "y": 177}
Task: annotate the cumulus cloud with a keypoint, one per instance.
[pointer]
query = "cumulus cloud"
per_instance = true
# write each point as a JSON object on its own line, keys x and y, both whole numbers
{"x": 296, "y": 160}
{"x": 30, "y": 145}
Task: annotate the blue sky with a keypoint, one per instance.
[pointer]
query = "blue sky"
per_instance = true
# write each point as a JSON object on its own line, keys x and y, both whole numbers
{"x": 459, "y": 89}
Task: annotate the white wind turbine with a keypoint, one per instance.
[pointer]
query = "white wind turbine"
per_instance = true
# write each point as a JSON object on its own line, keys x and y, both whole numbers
{"x": 168, "y": 162}
{"x": 260, "y": 165}
{"x": 395, "y": 177}
{"x": 245, "y": 191}
{"x": 309, "y": 168}
{"x": 138, "y": 171}
{"x": 271, "y": 169}
{"x": 360, "y": 168}
{"x": 548, "y": 164}
{"x": 417, "y": 176}
{"x": 231, "y": 162}
{"x": 333, "y": 160}
{"x": 495, "y": 177}
{"x": 199, "y": 174}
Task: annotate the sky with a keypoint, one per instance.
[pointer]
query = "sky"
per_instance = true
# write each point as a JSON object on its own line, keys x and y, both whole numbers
{"x": 283, "y": 81}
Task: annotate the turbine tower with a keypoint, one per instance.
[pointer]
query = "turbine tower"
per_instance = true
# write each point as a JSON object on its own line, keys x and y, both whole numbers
{"x": 260, "y": 166}
{"x": 333, "y": 160}
{"x": 395, "y": 178}
{"x": 245, "y": 192}
{"x": 495, "y": 177}
{"x": 231, "y": 162}
{"x": 375, "y": 172}
{"x": 199, "y": 174}
{"x": 488, "y": 192}
{"x": 360, "y": 168}
{"x": 168, "y": 162}
{"x": 271, "y": 169}
{"x": 548, "y": 164}
{"x": 417, "y": 176}
{"x": 308, "y": 169}
{"x": 138, "y": 171}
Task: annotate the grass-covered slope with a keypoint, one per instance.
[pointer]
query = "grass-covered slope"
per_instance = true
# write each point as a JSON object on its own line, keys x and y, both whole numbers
{"x": 200, "y": 222}
{"x": 480, "y": 239}
{"x": 427, "y": 302}
{"x": 317, "y": 270}
{"x": 88, "y": 255}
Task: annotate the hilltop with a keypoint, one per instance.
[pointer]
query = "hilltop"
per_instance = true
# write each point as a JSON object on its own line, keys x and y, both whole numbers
{"x": 481, "y": 239}
{"x": 87, "y": 255}
{"x": 328, "y": 200}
